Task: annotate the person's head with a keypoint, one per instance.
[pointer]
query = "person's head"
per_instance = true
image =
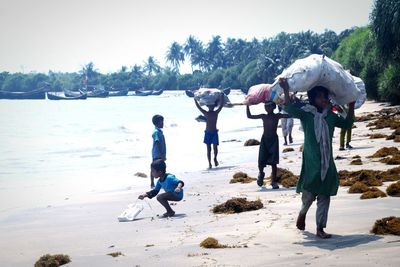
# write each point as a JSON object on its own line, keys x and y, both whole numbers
{"x": 158, "y": 121}
{"x": 319, "y": 97}
{"x": 269, "y": 106}
{"x": 158, "y": 168}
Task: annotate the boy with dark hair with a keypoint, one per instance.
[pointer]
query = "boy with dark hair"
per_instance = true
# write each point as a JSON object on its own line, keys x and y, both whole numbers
{"x": 269, "y": 145}
{"x": 318, "y": 178}
{"x": 171, "y": 185}
{"x": 159, "y": 150}
{"x": 211, "y": 132}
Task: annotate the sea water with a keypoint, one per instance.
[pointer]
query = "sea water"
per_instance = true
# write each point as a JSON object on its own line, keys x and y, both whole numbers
{"x": 53, "y": 150}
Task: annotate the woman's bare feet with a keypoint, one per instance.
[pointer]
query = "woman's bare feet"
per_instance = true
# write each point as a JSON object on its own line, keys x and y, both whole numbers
{"x": 301, "y": 222}
{"x": 260, "y": 179}
{"x": 321, "y": 233}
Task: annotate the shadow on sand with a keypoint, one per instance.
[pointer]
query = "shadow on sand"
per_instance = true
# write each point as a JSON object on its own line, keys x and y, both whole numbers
{"x": 337, "y": 241}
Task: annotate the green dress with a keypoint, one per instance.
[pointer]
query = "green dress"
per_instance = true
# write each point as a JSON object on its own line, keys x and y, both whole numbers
{"x": 310, "y": 176}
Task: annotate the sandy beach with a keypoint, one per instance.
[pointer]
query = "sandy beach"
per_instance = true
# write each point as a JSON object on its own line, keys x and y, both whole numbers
{"x": 86, "y": 227}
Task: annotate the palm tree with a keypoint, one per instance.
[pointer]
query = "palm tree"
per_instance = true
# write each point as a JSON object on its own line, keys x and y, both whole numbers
{"x": 175, "y": 56}
{"x": 151, "y": 66}
{"x": 193, "y": 48}
{"x": 214, "y": 53}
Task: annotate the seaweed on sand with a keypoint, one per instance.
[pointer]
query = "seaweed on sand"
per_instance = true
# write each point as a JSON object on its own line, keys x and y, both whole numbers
{"x": 52, "y": 260}
{"x": 394, "y": 189}
{"x": 140, "y": 174}
{"x": 237, "y": 205}
{"x": 368, "y": 177}
{"x": 115, "y": 254}
{"x": 358, "y": 187}
{"x": 393, "y": 160}
{"x": 356, "y": 162}
{"x": 241, "y": 177}
{"x": 373, "y": 193}
{"x": 385, "y": 151}
{"x": 377, "y": 135}
{"x": 288, "y": 149}
{"x": 286, "y": 178}
{"x": 252, "y": 142}
{"x": 387, "y": 226}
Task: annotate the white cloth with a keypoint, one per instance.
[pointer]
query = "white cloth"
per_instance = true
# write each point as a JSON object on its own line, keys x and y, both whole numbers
{"x": 322, "y": 134}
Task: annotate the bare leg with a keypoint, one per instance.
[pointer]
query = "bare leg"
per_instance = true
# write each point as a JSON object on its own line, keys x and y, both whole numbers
{"x": 215, "y": 147}
{"x": 260, "y": 178}
{"x": 151, "y": 181}
{"x": 209, "y": 155}
{"x": 307, "y": 199}
{"x": 274, "y": 183}
{"x": 285, "y": 144}
{"x": 164, "y": 198}
{"x": 290, "y": 138}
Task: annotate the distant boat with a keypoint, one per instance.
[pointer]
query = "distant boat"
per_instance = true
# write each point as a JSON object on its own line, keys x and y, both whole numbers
{"x": 35, "y": 94}
{"x": 190, "y": 92}
{"x": 54, "y": 96}
{"x": 97, "y": 94}
{"x": 143, "y": 92}
{"x": 68, "y": 93}
{"x": 157, "y": 92}
{"x": 123, "y": 92}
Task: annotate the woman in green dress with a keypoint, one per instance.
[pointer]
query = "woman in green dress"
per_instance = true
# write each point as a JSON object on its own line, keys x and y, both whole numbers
{"x": 318, "y": 178}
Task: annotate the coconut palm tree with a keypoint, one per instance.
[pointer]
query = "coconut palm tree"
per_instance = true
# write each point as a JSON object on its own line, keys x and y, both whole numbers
{"x": 175, "y": 56}
{"x": 151, "y": 66}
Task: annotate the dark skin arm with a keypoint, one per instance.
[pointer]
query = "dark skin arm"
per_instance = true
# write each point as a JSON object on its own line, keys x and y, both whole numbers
{"x": 285, "y": 86}
{"x": 200, "y": 108}
{"x": 250, "y": 116}
{"x": 221, "y": 103}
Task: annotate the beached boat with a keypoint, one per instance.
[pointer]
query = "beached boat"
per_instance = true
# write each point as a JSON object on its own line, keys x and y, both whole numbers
{"x": 35, "y": 94}
{"x": 68, "y": 93}
{"x": 157, "y": 92}
{"x": 143, "y": 93}
{"x": 123, "y": 92}
{"x": 55, "y": 96}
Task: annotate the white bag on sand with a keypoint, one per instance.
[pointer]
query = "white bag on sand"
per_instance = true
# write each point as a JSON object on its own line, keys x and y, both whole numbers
{"x": 130, "y": 213}
{"x": 319, "y": 70}
{"x": 210, "y": 96}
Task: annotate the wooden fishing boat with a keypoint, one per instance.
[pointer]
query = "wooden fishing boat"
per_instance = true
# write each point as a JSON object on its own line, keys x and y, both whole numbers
{"x": 54, "y": 96}
{"x": 123, "y": 92}
{"x": 143, "y": 93}
{"x": 35, "y": 94}
{"x": 157, "y": 92}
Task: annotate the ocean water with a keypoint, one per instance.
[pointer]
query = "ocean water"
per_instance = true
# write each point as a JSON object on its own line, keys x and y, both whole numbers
{"x": 52, "y": 150}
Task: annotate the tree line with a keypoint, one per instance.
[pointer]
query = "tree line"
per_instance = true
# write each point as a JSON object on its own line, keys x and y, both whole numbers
{"x": 371, "y": 52}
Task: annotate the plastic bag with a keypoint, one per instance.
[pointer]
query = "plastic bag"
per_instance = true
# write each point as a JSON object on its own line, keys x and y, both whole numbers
{"x": 319, "y": 70}
{"x": 259, "y": 93}
{"x": 210, "y": 96}
{"x": 130, "y": 213}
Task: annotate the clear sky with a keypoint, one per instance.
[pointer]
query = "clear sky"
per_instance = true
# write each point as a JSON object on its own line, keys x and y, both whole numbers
{"x": 63, "y": 35}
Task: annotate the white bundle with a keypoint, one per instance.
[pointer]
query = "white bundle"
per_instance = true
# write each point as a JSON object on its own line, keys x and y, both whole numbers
{"x": 210, "y": 96}
{"x": 319, "y": 70}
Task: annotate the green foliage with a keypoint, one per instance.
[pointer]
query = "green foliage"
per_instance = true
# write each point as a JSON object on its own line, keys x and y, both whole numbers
{"x": 249, "y": 75}
{"x": 389, "y": 83}
{"x": 385, "y": 18}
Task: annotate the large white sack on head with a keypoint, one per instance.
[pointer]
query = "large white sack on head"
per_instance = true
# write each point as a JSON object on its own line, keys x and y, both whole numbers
{"x": 318, "y": 70}
{"x": 210, "y": 96}
{"x": 363, "y": 93}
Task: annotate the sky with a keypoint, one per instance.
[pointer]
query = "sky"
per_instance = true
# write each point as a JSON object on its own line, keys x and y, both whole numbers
{"x": 64, "y": 35}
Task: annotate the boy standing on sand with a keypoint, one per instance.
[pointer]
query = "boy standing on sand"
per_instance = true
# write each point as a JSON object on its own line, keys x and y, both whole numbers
{"x": 269, "y": 145}
{"x": 159, "y": 150}
{"x": 211, "y": 132}
{"x": 318, "y": 178}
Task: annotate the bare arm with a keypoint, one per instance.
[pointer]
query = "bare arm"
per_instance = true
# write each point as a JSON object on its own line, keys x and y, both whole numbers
{"x": 250, "y": 116}
{"x": 285, "y": 86}
{"x": 221, "y": 103}
{"x": 200, "y": 108}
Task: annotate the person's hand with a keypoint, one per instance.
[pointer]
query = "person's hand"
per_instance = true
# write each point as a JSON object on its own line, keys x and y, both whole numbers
{"x": 177, "y": 190}
{"x": 141, "y": 197}
{"x": 284, "y": 84}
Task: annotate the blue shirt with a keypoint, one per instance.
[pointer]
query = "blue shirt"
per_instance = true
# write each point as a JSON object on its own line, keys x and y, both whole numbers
{"x": 169, "y": 184}
{"x": 158, "y": 136}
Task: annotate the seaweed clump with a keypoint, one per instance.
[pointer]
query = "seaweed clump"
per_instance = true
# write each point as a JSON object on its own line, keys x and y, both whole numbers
{"x": 237, "y": 205}
{"x": 241, "y": 177}
{"x": 393, "y": 160}
{"x": 115, "y": 254}
{"x": 373, "y": 193}
{"x": 377, "y": 135}
{"x": 286, "y": 178}
{"x": 211, "y": 242}
{"x": 394, "y": 189}
{"x": 52, "y": 260}
{"x": 140, "y": 174}
{"x": 356, "y": 162}
{"x": 252, "y": 142}
{"x": 356, "y": 157}
{"x": 358, "y": 187}
{"x": 288, "y": 149}
{"x": 385, "y": 151}
{"x": 368, "y": 177}
{"x": 387, "y": 226}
